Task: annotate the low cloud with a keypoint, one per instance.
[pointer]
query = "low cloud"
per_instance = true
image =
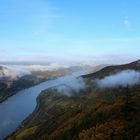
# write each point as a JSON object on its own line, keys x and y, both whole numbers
{"x": 13, "y": 73}
{"x": 124, "y": 78}
{"x": 72, "y": 85}
{"x": 17, "y": 71}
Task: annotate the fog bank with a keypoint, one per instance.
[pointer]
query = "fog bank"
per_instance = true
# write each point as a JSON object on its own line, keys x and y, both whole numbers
{"x": 124, "y": 78}
{"x": 72, "y": 85}
{"x": 16, "y": 71}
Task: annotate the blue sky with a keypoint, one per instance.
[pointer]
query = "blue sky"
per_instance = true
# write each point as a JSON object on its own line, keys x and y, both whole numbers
{"x": 47, "y": 29}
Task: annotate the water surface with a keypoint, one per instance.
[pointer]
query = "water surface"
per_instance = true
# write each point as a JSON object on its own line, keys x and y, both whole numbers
{"x": 15, "y": 109}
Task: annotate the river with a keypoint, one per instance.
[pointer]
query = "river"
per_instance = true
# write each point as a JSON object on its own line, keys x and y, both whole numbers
{"x": 18, "y": 107}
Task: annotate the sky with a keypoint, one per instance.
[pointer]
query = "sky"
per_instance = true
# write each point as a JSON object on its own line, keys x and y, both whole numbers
{"x": 42, "y": 30}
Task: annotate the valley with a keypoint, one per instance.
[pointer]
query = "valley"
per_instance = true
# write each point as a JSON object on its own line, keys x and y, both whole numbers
{"x": 11, "y": 82}
{"x": 91, "y": 113}
{"x": 69, "y": 70}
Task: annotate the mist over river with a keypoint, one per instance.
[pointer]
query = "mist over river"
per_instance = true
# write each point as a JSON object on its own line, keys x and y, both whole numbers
{"x": 18, "y": 107}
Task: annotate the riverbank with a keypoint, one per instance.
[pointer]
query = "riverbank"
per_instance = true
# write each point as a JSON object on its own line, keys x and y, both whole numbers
{"x": 24, "y": 103}
{"x": 58, "y": 117}
{"x": 26, "y": 121}
{"x": 28, "y": 81}
{"x": 15, "y": 92}
{"x": 49, "y": 104}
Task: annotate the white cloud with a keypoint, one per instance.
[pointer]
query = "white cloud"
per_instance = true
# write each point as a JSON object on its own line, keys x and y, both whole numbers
{"x": 124, "y": 78}
{"x": 127, "y": 22}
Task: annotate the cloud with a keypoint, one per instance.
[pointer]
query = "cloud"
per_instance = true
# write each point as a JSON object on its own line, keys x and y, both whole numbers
{"x": 13, "y": 72}
{"x": 72, "y": 85}
{"x": 124, "y": 78}
{"x": 126, "y": 22}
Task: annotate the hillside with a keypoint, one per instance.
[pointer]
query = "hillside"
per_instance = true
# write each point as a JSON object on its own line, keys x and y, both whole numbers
{"x": 92, "y": 114}
{"x": 113, "y": 69}
{"x": 11, "y": 82}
